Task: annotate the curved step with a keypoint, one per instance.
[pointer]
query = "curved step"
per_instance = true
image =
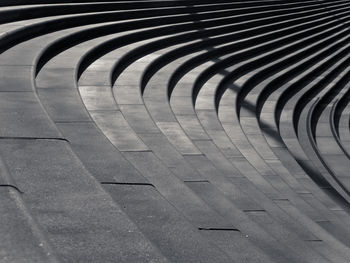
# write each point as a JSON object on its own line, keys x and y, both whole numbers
{"x": 112, "y": 147}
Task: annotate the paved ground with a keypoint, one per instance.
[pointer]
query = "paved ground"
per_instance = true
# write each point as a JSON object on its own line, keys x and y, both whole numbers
{"x": 174, "y": 131}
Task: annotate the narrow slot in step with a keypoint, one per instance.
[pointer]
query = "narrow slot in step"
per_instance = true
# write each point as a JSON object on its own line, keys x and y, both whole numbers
{"x": 313, "y": 240}
{"x": 13, "y": 187}
{"x": 196, "y": 181}
{"x": 34, "y": 138}
{"x": 120, "y": 183}
{"x": 218, "y": 229}
{"x": 135, "y": 151}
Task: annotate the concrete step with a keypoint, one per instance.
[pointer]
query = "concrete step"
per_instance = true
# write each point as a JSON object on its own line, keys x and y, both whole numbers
{"x": 124, "y": 139}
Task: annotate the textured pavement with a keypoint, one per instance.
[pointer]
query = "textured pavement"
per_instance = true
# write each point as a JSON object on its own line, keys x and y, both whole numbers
{"x": 174, "y": 131}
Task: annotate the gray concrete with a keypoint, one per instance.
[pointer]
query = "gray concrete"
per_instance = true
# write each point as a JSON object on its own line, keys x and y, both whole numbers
{"x": 175, "y": 132}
